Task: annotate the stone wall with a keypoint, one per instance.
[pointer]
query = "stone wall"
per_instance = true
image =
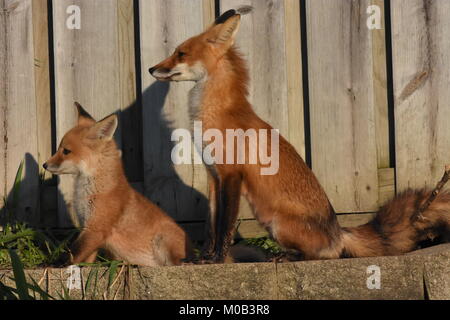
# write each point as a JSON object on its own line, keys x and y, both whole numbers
{"x": 423, "y": 274}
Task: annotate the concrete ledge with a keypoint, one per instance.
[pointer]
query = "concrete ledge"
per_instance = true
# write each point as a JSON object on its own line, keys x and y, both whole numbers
{"x": 421, "y": 275}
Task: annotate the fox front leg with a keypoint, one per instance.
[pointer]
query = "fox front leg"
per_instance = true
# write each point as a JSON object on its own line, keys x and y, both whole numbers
{"x": 228, "y": 211}
{"x": 86, "y": 246}
{"x": 210, "y": 236}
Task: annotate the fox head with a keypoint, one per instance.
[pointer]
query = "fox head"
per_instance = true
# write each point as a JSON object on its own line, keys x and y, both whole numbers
{"x": 82, "y": 147}
{"x": 197, "y": 57}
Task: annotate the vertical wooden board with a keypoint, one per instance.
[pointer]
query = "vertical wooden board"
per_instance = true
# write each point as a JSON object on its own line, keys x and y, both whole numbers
{"x": 131, "y": 109}
{"x": 20, "y": 115}
{"x": 380, "y": 89}
{"x": 43, "y": 106}
{"x": 87, "y": 71}
{"x": 270, "y": 40}
{"x": 293, "y": 47}
{"x": 179, "y": 190}
{"x": 344, "y": 154}
{"x": 42, "y": 79}
{"x": 3, "y": 101}
{"x": 421, "y": 63}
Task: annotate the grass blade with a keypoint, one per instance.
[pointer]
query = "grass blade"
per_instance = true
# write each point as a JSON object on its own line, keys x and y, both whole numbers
{"x": 112, "y": 272}
{"x": 36, "y": 288}
{"x": 17, "y": 183}
{"x": 19, "y": 276}
{"x": 7, "y": 293}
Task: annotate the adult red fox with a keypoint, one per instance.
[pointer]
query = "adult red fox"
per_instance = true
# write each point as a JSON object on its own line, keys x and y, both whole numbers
{"x": 291, "y": 204}
{"x": 116, "y": 217}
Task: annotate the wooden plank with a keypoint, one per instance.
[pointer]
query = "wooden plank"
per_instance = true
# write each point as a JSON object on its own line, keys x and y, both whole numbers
{"x": 380, "y": 90}
{"x": 421, "y": 61}
{"x": 294, "y": 75}
{"x": 386, "y": 182}
{"x": 43, "y": 106}
{"x": 344, "y": 153}
{"x": 20, "y": 112}
{"x": 209, "y": 12}
{"x": 131, "y": 110}
{"x": 179, "y": 190}
{"x": 42, "y": 79}
{"x": 86, "y": 70}
{"x": 3, "y": 102}
{"x": 386, "y": 175}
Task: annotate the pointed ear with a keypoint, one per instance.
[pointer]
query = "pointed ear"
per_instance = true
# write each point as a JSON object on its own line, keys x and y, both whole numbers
{"x": 223, "y": 33}
{"x": 84, "y": 118}
{"x": 105, "y": 129}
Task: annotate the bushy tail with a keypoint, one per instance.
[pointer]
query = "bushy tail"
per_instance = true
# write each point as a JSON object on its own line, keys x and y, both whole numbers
{"x": 392, "y": 232}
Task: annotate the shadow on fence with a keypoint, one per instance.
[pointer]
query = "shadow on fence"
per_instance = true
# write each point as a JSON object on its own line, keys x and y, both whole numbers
{"x": 162, "y": 184}
{"x": 21, "y": 204}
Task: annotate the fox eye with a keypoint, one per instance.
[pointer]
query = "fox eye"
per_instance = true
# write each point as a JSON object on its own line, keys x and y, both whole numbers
{"x": 66, "y": 151}
{"x": 181, "y": 54}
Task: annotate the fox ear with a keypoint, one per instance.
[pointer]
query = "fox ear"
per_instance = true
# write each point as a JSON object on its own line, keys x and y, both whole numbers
{"x": 105, "y": 129}
{"x": 225, "y": 29}
{"x": 84, "y": 118}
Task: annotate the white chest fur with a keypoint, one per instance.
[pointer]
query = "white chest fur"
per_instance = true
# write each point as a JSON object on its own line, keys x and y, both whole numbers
{"x": 83, "y": 201}
{"x": 195, "y": 105}
{"x": 195, "y": 100}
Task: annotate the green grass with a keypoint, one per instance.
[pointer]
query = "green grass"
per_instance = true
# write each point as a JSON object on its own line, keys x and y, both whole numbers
{"x": 34, "y": 248}
{"x": 22, "y": 247}
{"x": 23, "y": 290}
{"x": 268, "y": 245}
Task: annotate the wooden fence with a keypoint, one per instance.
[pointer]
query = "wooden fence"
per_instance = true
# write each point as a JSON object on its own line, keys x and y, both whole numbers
{"x": 367, "y": 108}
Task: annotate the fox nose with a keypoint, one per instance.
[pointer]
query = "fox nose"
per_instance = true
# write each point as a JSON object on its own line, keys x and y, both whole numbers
{"x": 45, "y": 165}
{"x": 151, "y": 70}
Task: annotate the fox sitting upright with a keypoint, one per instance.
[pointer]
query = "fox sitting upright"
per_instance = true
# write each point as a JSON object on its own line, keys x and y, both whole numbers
{"x": 291, "y": 204}
{"x": 117, "y": 218}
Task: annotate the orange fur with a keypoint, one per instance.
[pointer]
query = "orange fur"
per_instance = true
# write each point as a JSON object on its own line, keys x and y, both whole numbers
{"x": 116, "y": 217}
{"x": 292, "y": 205}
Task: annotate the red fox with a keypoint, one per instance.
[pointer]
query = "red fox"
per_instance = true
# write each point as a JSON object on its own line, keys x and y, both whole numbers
{"x": 117, "y": 218}
{"x": 291, "y": 204}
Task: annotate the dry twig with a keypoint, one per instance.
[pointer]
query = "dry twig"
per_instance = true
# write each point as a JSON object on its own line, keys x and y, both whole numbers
{"x": 418, "y": 215}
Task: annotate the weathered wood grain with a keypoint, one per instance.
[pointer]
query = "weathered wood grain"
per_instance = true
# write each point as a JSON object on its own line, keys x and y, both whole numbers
{"x": 131, "y": 109}
{"x": 380, "y": 90}
{"x": 42, "y": 79}
{"x": 344, "y": 152}
{"x": 86, "y": 70}
{"x": 43, "y": 107}
{"x": 3, "y": 101}
{"x": 386, "y": 182}
{"x": 294, "y": 75}
{"x": 180, "y": 190}
{"x": 421, "y": 62}
{"x": 19, "y": 113}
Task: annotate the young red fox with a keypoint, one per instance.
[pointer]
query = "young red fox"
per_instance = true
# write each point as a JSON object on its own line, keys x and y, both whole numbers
{"x": 291, "y": 204}
{"x": 117, "y": 218}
